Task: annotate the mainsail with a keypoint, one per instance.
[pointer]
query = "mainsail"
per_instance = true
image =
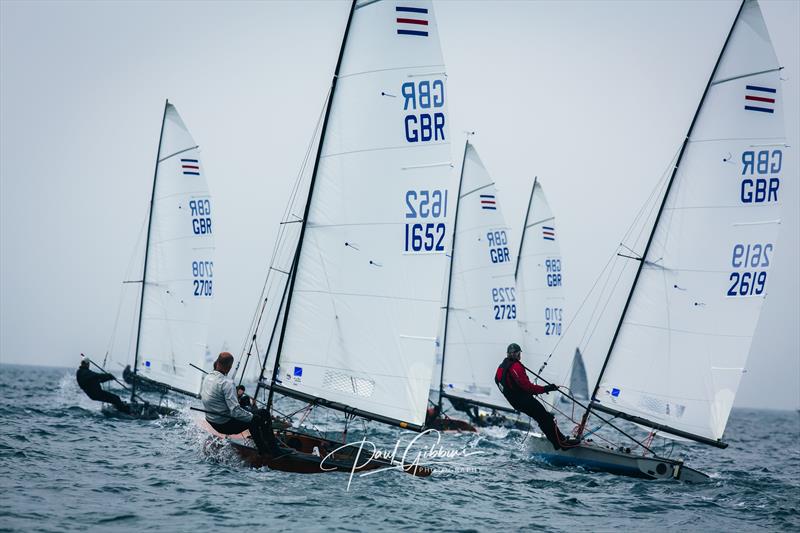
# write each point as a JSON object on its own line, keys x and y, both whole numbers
{"x": 481, "y": 315}
{"x": 364, "y": 300}
{"x": 178, "y": 286}
{"x": 683, "y": 340}
{"x": 540, "y": 290}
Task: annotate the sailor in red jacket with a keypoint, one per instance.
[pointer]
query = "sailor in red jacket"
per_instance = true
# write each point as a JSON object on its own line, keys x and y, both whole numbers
{"x": 513, "y": 382}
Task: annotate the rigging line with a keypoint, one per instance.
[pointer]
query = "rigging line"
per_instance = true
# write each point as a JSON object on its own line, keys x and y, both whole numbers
{"x": 569, "y": 396}
{"x": 612, "y": 258}
{"x": 146, "y": 250}
{"x": 128, "y": 271}
{"x": 280, "y": 238}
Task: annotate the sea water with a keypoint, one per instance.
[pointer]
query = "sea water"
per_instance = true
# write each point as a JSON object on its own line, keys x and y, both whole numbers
{"x": 64, "y": 466}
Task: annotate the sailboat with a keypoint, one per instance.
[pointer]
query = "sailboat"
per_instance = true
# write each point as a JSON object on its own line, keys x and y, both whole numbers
{"x": 357, "y": 329}
{"x": 480, "y": 317}
{"x": 177, "y": 277}
{"x": 679, "y": 349}
{"x": 540, "y": 284}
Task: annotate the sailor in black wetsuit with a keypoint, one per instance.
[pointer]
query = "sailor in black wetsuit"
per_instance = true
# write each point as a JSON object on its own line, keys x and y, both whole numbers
{"x": 245, "y": 401}
{"x": 519, "y": 391}
{"x": 90, "y": 382}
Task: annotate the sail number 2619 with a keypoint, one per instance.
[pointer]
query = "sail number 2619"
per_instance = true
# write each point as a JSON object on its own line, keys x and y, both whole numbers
{"x": 751, "y": 262}
{"x": 429, "y": 208}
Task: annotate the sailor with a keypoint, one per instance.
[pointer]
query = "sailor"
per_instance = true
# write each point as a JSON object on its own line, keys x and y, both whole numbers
{"x": 245, "y": 401}
{"x": 90, "y": 382}
{"x": 513, "y": 382}
{"x": 224, "y": 413}
{"x": 431, "y": 415}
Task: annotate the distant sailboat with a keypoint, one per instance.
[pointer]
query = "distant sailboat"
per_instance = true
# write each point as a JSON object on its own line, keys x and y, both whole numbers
{"x": 676, "y": 358}
{"x": 178, "y": 271}
{"x": 357, "y": 324}
{"x": 578, "y": 384}
{"x": 480, "y": 318}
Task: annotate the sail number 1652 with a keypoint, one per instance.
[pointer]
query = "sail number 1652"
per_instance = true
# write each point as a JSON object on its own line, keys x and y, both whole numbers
{"x": 425, "y": 214}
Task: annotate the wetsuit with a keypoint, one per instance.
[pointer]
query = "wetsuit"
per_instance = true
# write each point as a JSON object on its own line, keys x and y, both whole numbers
{"x": 226, "y": 416}
{"x": 245, "y": 402}
{"x": 90, "y": 383}
{"x": 519, "y": 391}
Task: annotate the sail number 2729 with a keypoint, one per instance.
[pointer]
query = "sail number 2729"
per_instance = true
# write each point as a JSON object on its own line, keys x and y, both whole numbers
{"x": 425, "y": 214}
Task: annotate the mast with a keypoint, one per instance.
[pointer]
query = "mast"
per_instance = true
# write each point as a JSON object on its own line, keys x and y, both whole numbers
{"x": 296, "y": 259}
{"x": 644, "y": 257}
{"x": 146, "y": 250}
{"x": 450, "y": 274}
{"x": 269, "y": 345}
{"x": 524, "y": 227}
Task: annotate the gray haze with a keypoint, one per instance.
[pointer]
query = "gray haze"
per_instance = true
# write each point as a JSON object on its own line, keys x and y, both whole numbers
{"x": 592, "y": 97}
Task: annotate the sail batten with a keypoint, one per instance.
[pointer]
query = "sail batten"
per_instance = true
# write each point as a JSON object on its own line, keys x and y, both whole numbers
{"x": 688, "y": 322}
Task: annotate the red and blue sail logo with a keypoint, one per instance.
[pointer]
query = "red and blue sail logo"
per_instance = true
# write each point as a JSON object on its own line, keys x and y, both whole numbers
{"x": 548, "y": 233}
{"x": 412, "y": 21}
{"x": 190, "y": 167}
{"x": 761, "y": 99}
{"x": 488, "y": 202}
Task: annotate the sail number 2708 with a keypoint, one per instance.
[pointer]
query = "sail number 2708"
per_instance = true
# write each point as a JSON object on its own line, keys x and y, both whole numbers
{"x": 202, "y": 272}
{"x": 425, "y": 229}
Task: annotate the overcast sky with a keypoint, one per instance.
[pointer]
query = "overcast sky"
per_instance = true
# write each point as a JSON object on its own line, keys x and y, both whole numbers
{"x": 593, "y": 97}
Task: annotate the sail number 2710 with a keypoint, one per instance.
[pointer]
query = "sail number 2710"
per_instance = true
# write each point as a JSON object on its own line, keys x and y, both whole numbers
{"x": 425, "y": 229}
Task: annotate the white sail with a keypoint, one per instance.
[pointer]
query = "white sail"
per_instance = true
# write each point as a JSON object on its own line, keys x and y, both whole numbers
{"x": 685, "y": 338}
{"x": 363, "y": 315}
{"x": 482, "y": 318}
{"x": 540, "y": 287}
{"x": 179, "y": 287}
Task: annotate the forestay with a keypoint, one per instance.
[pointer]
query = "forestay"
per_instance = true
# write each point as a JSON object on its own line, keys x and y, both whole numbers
{"x": 178, "y": 286}
{"x": 482, "y": 316}
{"x": 540, "y": 290}
{"x": 363, "y": 313}
{"x": 685, "y": 338}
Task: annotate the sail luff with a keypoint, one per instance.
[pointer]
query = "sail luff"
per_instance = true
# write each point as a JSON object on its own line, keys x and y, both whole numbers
{"x": 146, "y": 252}
{"x": 524, "y": 227}
{"x": 658, "y": 217}
{"x": 450, "y": 273}
{"x": 304, "y": 225}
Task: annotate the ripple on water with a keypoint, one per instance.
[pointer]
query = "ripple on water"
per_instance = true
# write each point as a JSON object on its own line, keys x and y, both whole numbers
{"x": 64, "y": 466}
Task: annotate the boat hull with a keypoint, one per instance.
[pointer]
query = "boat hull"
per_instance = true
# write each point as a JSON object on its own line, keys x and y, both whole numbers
{"x": 139, "y": 411}
{"x": 303, "y": 454}
{"x": 450, "y": 424}
{"x": 599, "y": 459}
